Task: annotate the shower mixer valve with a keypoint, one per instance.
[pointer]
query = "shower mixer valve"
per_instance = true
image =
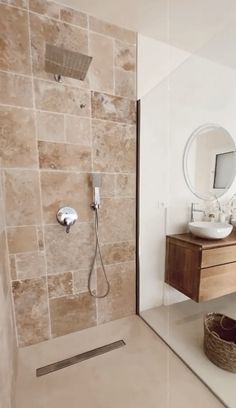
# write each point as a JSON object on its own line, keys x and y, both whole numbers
{"x": 67, "y": 216}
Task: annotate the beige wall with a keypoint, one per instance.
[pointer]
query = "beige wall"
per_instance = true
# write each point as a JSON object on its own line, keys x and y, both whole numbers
{"x": 8, "y": 349}
{"x": 50, "y": 144}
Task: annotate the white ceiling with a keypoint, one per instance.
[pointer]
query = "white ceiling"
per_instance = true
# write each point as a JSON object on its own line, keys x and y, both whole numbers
{"x": 186, "y": 24}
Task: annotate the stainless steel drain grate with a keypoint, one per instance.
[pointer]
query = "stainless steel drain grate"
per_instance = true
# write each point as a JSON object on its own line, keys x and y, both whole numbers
{"x": 78, "y": 358}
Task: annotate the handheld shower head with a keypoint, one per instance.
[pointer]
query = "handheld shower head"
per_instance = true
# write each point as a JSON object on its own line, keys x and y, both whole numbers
{"x": 96, "y": 180}
{"x": 97, "y": 183}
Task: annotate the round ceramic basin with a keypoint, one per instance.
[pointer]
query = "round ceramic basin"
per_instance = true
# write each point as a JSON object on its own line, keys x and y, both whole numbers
{"x": 210, "y": 230}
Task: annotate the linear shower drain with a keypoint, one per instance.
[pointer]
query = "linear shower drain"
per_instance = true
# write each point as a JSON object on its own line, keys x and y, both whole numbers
{"x": 78, "y": 358}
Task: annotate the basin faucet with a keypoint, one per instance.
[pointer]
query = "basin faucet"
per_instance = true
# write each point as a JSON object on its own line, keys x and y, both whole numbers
{"x": 193, "y": 210}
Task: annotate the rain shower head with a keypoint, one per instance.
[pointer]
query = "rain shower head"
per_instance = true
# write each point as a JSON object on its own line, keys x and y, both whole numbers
{"x": 62, "y": 62}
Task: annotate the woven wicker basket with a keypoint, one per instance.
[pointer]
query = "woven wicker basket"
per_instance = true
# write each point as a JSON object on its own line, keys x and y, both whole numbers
{"x": 220, "y": 340}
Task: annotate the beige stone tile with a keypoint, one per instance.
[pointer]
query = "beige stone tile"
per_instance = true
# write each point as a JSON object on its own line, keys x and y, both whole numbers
{"x": 125, "y": 83}
{"x": 18, "y": 143}
{"x": 66, "y": 189}
{"x": 117, "y": 220}
{"x": 78, "y": 130}
{"x": 72, "y": 313}
{"x": 12, "y": 261}
{"x": 101, "y": 73}
{"x": 49, "y": 8}
{"x": 74, "y": 17}
{"x": 76, "y": 83}
{"x": 56, "y": 97}
{"x": 50, "y": 127}
{"x": 69, "y": 252}
{"x": 47, "y": 31}
{"x": 16, "y": 90}
{"x": 60, "y": 285}
{"x": 111, "y": 30}
{"x": 62, "y": 156}
{"x": 113, "y": 108}
{"x": 118, "y": 252}
{"x": 30, "y": 265}
{"x": 126, "y": 185}
{"x": 22, "y": 197}
{"x": 31, "y": 310}
{"x": 80, "y": 280}
{"x": 114, "y": 147}
{"x": 19, "y": 3}
{"x": 125, "y": 56}
{"x": 14, "y": 46}
{"x": 120, "y": 302}
{"x": 22, "y": 239}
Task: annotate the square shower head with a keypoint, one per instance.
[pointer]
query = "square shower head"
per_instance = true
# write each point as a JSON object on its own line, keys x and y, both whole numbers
{"x": 60, "y": 61}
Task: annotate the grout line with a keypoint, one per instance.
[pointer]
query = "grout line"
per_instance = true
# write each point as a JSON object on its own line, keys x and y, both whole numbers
{"x": 88, "y": 21}
{"x": 80, "y": 269}
{"x": 67, "y": 295}
{"x": 46, "y": 260}
{"x": 131, "y": 261}
{"x": 114, "y": 67}
{"x": 56, "y": 224}
{"x": 73, "y": 282}
{"x": 123, "y": 124}
{"x": 28, "y": 253}
{"x": 49, "y": 170}
{"x": 90, "y": 125}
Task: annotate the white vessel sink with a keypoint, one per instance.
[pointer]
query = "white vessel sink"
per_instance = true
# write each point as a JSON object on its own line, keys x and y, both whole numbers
{"x": 210, "y": 230}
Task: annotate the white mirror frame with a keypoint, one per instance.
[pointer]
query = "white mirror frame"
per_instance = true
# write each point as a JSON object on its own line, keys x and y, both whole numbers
{"x": 185, "y": 160}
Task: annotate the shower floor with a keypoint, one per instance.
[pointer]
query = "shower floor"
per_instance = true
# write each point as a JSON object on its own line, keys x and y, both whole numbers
{"x": 181, "y": 326}
{"x": 143, "y": 373}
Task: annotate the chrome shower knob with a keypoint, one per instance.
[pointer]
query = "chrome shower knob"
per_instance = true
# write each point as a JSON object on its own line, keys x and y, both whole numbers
{"x": 67, "y": 216}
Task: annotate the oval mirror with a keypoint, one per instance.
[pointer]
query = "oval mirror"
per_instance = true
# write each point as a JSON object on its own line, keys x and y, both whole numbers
{"x": 209, "y": 161}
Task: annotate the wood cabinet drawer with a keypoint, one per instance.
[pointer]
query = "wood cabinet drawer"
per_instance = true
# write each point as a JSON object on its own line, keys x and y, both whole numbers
{"x": 217, "y": 281}
{"x": 218, "y": 256}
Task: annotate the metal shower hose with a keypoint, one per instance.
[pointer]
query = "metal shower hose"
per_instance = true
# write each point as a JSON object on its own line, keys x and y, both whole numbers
{"x": 97, "y": 251}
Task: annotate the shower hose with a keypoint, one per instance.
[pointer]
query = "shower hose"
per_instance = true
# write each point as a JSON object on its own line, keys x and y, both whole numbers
{"x": 97, "y": 251}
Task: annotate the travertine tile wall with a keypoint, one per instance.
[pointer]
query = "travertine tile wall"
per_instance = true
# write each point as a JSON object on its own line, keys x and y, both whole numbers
{"x": 53, "y": 137}
{"x": 8, "y": 348}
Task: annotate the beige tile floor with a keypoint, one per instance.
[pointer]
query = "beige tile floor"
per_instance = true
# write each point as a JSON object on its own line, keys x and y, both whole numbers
{"x": 181, "y": 326}
{"x": 143, "y": 374}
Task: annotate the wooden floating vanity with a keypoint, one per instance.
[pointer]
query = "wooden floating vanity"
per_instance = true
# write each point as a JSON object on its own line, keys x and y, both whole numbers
{"x": 201, "y": 269}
